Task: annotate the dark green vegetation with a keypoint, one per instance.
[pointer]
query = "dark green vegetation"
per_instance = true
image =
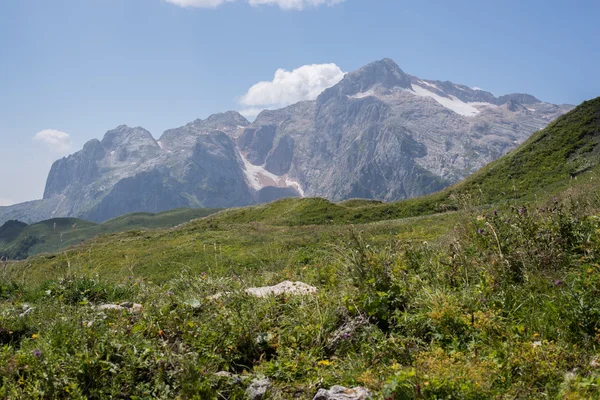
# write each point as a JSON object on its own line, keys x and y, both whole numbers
{"x": 19, "y": 240}
{"x": 486, "y": 302}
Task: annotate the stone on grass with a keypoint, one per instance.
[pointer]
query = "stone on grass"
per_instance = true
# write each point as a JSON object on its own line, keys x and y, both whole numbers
{"x": 225, "y": 374}
{"x": 342, "y": 393}
{"x": 258, "y": 389}
{"x": 286, "y": 287}
{"x": 131, "y": 307}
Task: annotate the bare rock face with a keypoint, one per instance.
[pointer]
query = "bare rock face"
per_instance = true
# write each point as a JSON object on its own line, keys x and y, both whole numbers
{"x": 378, "y": 134}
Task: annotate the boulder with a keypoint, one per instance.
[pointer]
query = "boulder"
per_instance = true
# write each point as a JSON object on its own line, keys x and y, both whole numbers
{"x": 342, "y": 393}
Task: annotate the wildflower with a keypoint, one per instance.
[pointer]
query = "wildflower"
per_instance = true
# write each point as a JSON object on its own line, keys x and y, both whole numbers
{"x": 324, "y": 362}
{"x": 495, "y": 212}
{"x": 479, "y": 231}
{"x": 508, "y": 221}
{"x": 169, "y": 293}
{"x": 346, "y": 335}
{"x": 537, "y": 343}
{"x": 35, "y": 336}
{"x": 161, "y": 332}
{"x": 558, "y": 282}
{"x": 37, "y": 353}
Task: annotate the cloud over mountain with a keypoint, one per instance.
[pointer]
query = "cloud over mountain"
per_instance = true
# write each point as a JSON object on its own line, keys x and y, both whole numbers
{"x": 288, "y": 87}
{"x": 55, "y": 140}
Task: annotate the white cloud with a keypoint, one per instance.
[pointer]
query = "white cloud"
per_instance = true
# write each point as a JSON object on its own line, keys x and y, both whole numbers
{"x": 283, "y": 4}
{"x": 199, "y": 3}
{"x": 57, "y": 141}
{"x": 251, "y": 112}
{"x": 288, "y": 87}
{"x": 295, "y": 4}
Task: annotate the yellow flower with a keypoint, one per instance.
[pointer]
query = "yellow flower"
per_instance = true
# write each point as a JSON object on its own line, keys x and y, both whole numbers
{"x": 324, "y": 362}
{"x": 35, "y": 336}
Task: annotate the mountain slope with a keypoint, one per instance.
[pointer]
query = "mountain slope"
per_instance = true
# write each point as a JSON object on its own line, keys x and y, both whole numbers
{"x": 549, "y": 159}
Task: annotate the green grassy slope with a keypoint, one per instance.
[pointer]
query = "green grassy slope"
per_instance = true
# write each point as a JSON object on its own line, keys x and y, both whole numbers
{"x": 546, "y": 162}
{"x": 18, "y": 240}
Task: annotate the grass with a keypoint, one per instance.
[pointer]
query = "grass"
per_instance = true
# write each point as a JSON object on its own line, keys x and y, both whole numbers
{"x": 475, "y": 308}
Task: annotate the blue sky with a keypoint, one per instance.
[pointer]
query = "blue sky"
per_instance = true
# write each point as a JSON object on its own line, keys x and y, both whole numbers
{"x": 81, "y": 67}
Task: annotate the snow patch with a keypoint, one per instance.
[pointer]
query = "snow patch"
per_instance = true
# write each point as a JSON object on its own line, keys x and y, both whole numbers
{"x": 452, "y": 103}
{"x": 112, "y": 153}
{"x": 296, "y": 185}
{"x": 429, "y": 84}
{"x": 258, "y": 177}
{"x": 362, "y": 95}
{"x": 481, "y": 104}
{"x": 160, "y": 145}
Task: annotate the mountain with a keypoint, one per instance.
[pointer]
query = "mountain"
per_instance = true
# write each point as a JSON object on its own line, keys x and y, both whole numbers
{"x": 378, "y": 134}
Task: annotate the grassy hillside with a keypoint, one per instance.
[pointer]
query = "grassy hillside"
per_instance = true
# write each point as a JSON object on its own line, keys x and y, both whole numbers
{"x": 547, "y": 162}
{"x": 19, "y": 240}
{"x": 458, "y": 305}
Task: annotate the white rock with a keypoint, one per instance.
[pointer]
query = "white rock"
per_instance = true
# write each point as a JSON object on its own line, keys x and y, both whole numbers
{"x": 287, "y": 287}
{"x": 341, "y": 393}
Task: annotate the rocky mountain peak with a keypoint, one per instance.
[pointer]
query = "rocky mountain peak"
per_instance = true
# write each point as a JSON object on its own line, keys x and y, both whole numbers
{"x": 228, "y": 118}
{"x": 521, "y": 98}
{"x": 123, "y": 135}
{"x": 383, "y": 74}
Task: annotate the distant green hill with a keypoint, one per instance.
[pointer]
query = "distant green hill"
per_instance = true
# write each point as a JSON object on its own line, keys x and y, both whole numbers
{"x": 19, "y": 240}
{"x": 548, "y": 162}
